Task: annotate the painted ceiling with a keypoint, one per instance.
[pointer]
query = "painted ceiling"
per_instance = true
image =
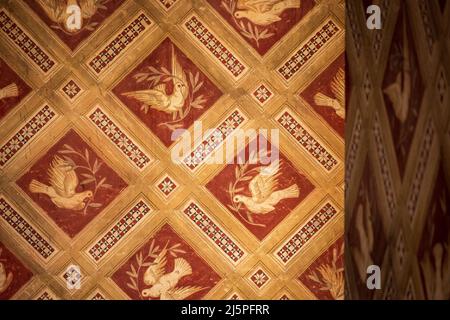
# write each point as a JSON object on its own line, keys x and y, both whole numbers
{"x": 88, "y": 184}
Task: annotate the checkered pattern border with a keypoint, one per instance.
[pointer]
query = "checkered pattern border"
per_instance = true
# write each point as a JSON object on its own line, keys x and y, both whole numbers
{"x": 119, "y": 138}
{"x": 354, "y": 146}
{"x": 214, "y": 140}
{"x": 384, "y": 166}
{"x": 120, "y": 42}
{"x": 424, "y": 154}
{"x": 32, "y": 127}
{"x": 202, "y": 34}
{"x": 308, "y": 49}
{"x": 25, "y": 230}
{"x": 304, "y": 137}
{"x": 117, "y": 232}
{"x": 16, "y": 34}
{"x": 427, "y": 16}
{"x": 215, "y": 233}
{"x": 46, "y": 295}
{"x": 306, "y": 232}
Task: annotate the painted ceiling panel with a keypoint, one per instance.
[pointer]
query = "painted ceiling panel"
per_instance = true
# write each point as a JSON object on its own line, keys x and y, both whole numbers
{"x": 93, "y": 204}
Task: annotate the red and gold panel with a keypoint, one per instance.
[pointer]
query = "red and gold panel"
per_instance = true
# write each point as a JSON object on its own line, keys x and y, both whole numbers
{"x": 93, "y": 115}
{"x": 242, "y": 176}
{"x": 184, "y": 91}
{"x": 175, "y": 260}
{"x": 88, "y": 184}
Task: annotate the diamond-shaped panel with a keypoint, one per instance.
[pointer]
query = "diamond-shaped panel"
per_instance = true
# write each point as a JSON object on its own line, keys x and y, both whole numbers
{"x": 167, "y": 91}
{"x": 166, "y": 186}
{"x": 259, "y": 277}
{"x": 403, "y": 88}
{"x": 434, "y": 248}
{"x": 326, "y": 94}
{"x": 71, "y": 183}
{"x": 260, "y": 214}
{"x": 262, "y": 94}
{"x": 71, "y": 90}
{"x": 166, "y": 268}
{"x": 325, "y": 276}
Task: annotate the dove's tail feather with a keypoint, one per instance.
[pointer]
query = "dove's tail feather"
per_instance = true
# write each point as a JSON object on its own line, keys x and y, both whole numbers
{"x": 293, "y": 4}
{"x": 38, "y": 187}
{"x": 291, "y": 192}
{"x": 182, "y": 267}
{"x": 9, "y": 91}
{"x": 323, "y": 100}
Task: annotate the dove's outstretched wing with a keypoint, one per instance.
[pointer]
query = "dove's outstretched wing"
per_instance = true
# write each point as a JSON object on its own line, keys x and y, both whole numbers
{"x": 63, "y": 177}
{"x": 88, "y": 8}
{"x": 338, "y": 86}
{"x": 258, "y": 6}
{"x": 177, "y": 69}
{"x": 55, "y": 9}
{"x": 155, "y": 97}
{"x": 264, "y": 183}
{"x": 157, "y": 269}
{"x": 180, "y": 293}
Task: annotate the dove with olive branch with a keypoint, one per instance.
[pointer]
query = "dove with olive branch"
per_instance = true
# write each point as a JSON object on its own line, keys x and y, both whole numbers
{"x": 179, "y": 103}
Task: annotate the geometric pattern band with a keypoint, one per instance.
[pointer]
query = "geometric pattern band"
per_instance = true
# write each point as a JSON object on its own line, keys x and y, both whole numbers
{"x": 16, "y": 34}
{"x": 119, "y": 138}
{"x": 292, "y": 247}
{"x": 31, "y": 128}
{"x": 25, "y": 230}
{"x": 121, "y": 228}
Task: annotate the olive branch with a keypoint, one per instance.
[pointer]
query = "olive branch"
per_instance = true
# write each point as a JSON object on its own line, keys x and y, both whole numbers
{"x": 91, "y": 176}
{"x": 143, "y": 262}
{"x": 163, "y": 75}
{"x": 249, "y": 31}
{"x": 330, "y": 277}
{"x": 242, "y": 174}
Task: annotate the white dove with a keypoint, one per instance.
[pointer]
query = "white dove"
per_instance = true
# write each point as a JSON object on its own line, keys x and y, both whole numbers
{"x": 5, "y": 279}
{"x": 164, "y": 285}
{"x": 399, "y": 92}
{"x": 157, "y": 97}
{"x": 262, "y": 187}
{"x": 338, "y": 89}
{"x": 57, "y": 11}
{"x": 263, "y": 12}
{"x": 63, "y": 183}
